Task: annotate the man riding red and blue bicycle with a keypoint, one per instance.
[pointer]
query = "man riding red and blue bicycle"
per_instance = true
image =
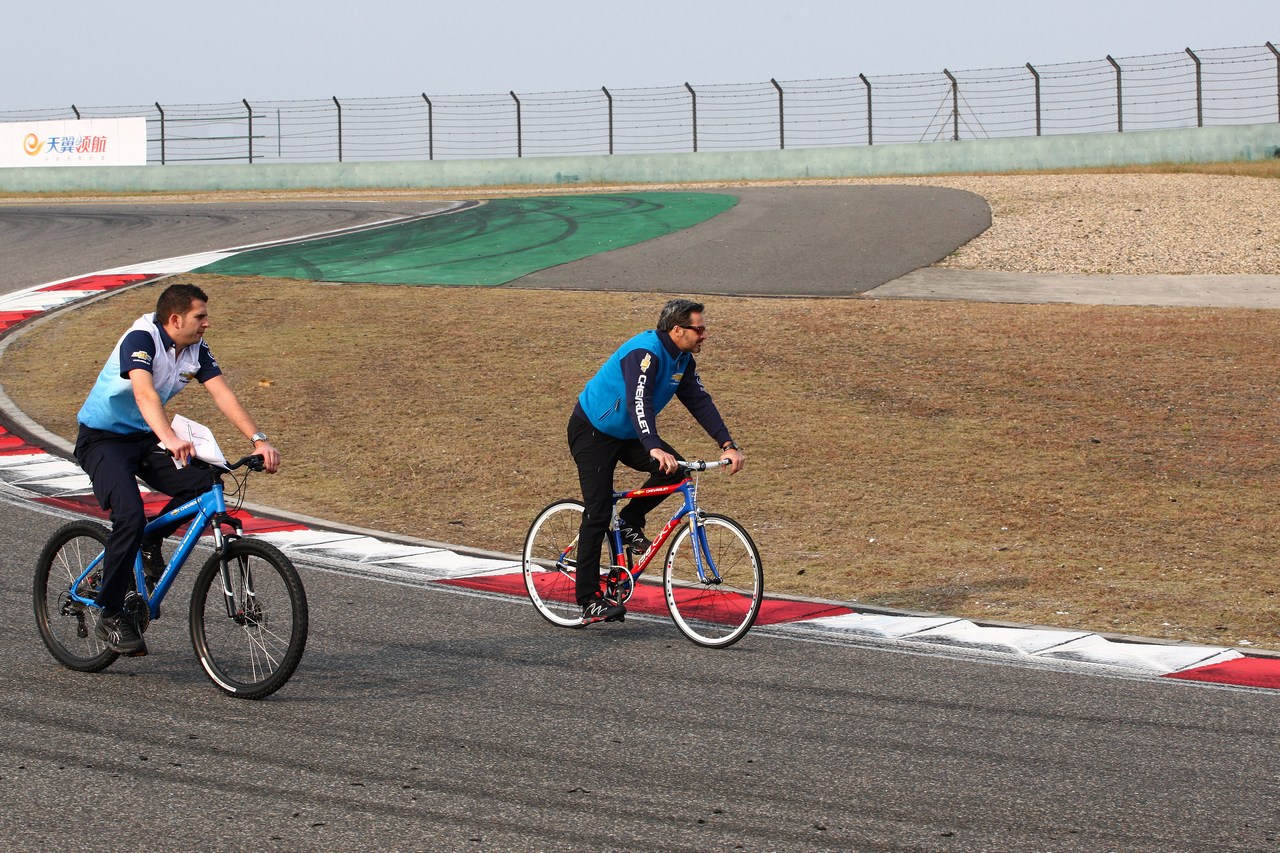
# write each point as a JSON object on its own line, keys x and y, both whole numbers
{"x": 615, "y": 420}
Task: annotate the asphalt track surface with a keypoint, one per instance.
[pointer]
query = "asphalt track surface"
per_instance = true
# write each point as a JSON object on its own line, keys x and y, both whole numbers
{"x": 42, "y": 243}
{"x": 790, "y": 241}
{"x": 425, "y": 719}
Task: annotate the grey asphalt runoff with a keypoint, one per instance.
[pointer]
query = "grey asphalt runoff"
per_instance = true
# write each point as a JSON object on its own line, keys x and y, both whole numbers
{"x": 793, "y": 241}
{"x": 1202, "y": 291}
{"x": 878, "y": 242}
{"x": 41, "y": 243}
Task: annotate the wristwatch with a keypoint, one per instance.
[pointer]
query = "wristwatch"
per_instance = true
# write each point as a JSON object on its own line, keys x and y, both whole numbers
{"x": 258, "y": 436}
{"x": 731, "y": 445}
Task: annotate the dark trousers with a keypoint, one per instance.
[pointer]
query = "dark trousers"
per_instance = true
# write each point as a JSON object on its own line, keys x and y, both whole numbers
{"x": 112, "y": 461}
{"x": 597, "y": 455}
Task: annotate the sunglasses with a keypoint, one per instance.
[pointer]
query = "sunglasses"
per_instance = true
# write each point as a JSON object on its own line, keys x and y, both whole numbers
{"x": 701, "y": 330}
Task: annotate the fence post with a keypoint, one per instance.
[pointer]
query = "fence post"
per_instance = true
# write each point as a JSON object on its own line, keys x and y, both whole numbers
{"x": 1036, "y": 75}
{"x": 161, "y": 111}
{"x": 782, "y": 125}
{"x": 431, "y": 129}
{"x": 76, "y": 111}
{"x": 339, "y": 106}
{"x": 867, "y": 83}
{"x": 519, "y": 129}
{"x": 248, "y": 108}
{"x": 1119, "y": 96}
{"x": 609, "y": 98}
{"x": 1199, "y": 90}
{"x": 693, "y": 97}
{"x": 955, "y": 106}
{"x": 1276, "y": 54}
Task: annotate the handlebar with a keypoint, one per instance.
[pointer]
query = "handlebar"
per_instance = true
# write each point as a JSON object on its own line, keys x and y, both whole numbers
{"x": 254, "y": 461}
{"x": 701, "y": 465}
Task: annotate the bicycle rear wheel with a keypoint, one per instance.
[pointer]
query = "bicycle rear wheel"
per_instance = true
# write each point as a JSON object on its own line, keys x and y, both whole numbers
{"x": 67, "y": 626}
{"x": 551, "y": 560}
{"x": 714, "y": 609}
{"x": 249, "y": 636}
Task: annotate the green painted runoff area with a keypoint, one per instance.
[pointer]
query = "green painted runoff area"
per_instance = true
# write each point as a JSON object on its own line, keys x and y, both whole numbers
{"x": 490, "y": 244}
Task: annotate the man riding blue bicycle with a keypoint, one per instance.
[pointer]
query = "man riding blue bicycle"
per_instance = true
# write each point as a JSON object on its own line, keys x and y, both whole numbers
{"x": 121, "y": 427}
{"x": 615, "y": 420}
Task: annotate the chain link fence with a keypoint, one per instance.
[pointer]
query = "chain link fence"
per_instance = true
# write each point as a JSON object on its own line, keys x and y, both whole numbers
{"x": 1192, "y": 88}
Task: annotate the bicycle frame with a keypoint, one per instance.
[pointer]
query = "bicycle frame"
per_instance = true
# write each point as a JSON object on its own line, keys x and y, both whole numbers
{"x": 688, "y": 490}
{"x": 209, "y": 508}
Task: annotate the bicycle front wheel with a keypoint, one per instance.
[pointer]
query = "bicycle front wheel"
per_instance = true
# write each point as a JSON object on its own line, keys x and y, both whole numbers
{"x": 66, "y": 625}
{"x": 717, "y": 606}
{"x": 551, "y": 563}
{"x": 249, "y": 626}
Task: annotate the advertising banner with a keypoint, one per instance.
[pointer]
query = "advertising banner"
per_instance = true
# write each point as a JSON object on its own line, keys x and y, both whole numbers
{"x": 74, "y": 142}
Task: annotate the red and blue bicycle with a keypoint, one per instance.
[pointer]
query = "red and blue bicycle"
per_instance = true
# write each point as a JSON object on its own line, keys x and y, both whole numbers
{"x": 712, "y": 580}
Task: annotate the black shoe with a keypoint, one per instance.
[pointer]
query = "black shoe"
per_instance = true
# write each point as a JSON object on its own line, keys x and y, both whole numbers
{"x": 152, "y": 562}
{"x": 634, "y": 539}
{"x": 601, "y": 609}
{"x": 120, "y": 635}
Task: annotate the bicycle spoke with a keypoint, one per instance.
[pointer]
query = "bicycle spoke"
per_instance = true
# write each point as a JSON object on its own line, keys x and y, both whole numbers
{"x": 67, "y": 626}
{"x": 550, "y": 563}
{"x": 714, "y": 594}
{"x": 254, "y": 650}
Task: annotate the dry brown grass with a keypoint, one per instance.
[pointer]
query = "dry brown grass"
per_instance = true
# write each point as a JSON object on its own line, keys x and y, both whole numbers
{"x": 1111, "y": 469}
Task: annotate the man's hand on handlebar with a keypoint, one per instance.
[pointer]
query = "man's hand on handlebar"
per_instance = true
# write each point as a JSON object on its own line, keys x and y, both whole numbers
{"x": 735, "y": 459}
{"x": 666, "y": 462}
{"x": 270, "y": 456}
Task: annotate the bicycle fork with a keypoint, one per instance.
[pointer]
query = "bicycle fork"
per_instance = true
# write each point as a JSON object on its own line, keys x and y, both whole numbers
{"x": 246, "y": 610}
{"x": 706, "y": 566}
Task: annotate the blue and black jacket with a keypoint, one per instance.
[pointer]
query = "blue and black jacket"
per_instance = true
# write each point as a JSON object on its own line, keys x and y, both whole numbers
{"x": 625, "y": 396}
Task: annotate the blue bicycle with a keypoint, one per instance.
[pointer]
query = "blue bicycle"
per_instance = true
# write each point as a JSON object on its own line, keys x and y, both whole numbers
{"x": 248, "y": 614}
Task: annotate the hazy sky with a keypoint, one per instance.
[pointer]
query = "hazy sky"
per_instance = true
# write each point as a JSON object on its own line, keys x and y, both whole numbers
{"x": 128, "y": 52}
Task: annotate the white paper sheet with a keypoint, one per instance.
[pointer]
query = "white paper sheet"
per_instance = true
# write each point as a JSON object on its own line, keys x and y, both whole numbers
{"x": 207, "y": 449}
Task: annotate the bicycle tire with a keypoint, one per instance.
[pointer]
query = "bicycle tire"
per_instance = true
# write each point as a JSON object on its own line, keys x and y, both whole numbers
{"x": 714, "y": 614}
{"x": 249, "y": 655}
{"x": 549, "y": 561}
{"x": 65, "y": 556}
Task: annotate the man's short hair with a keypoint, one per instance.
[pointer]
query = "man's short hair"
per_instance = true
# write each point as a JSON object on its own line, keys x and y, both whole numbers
{"x": 676, "y": 313}
{"x": 177, "y": 299}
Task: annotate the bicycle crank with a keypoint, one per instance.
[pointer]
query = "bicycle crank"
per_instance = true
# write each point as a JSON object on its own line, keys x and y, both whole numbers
{"x": 620, "y": 584}
{"x": 136, "y": 606}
